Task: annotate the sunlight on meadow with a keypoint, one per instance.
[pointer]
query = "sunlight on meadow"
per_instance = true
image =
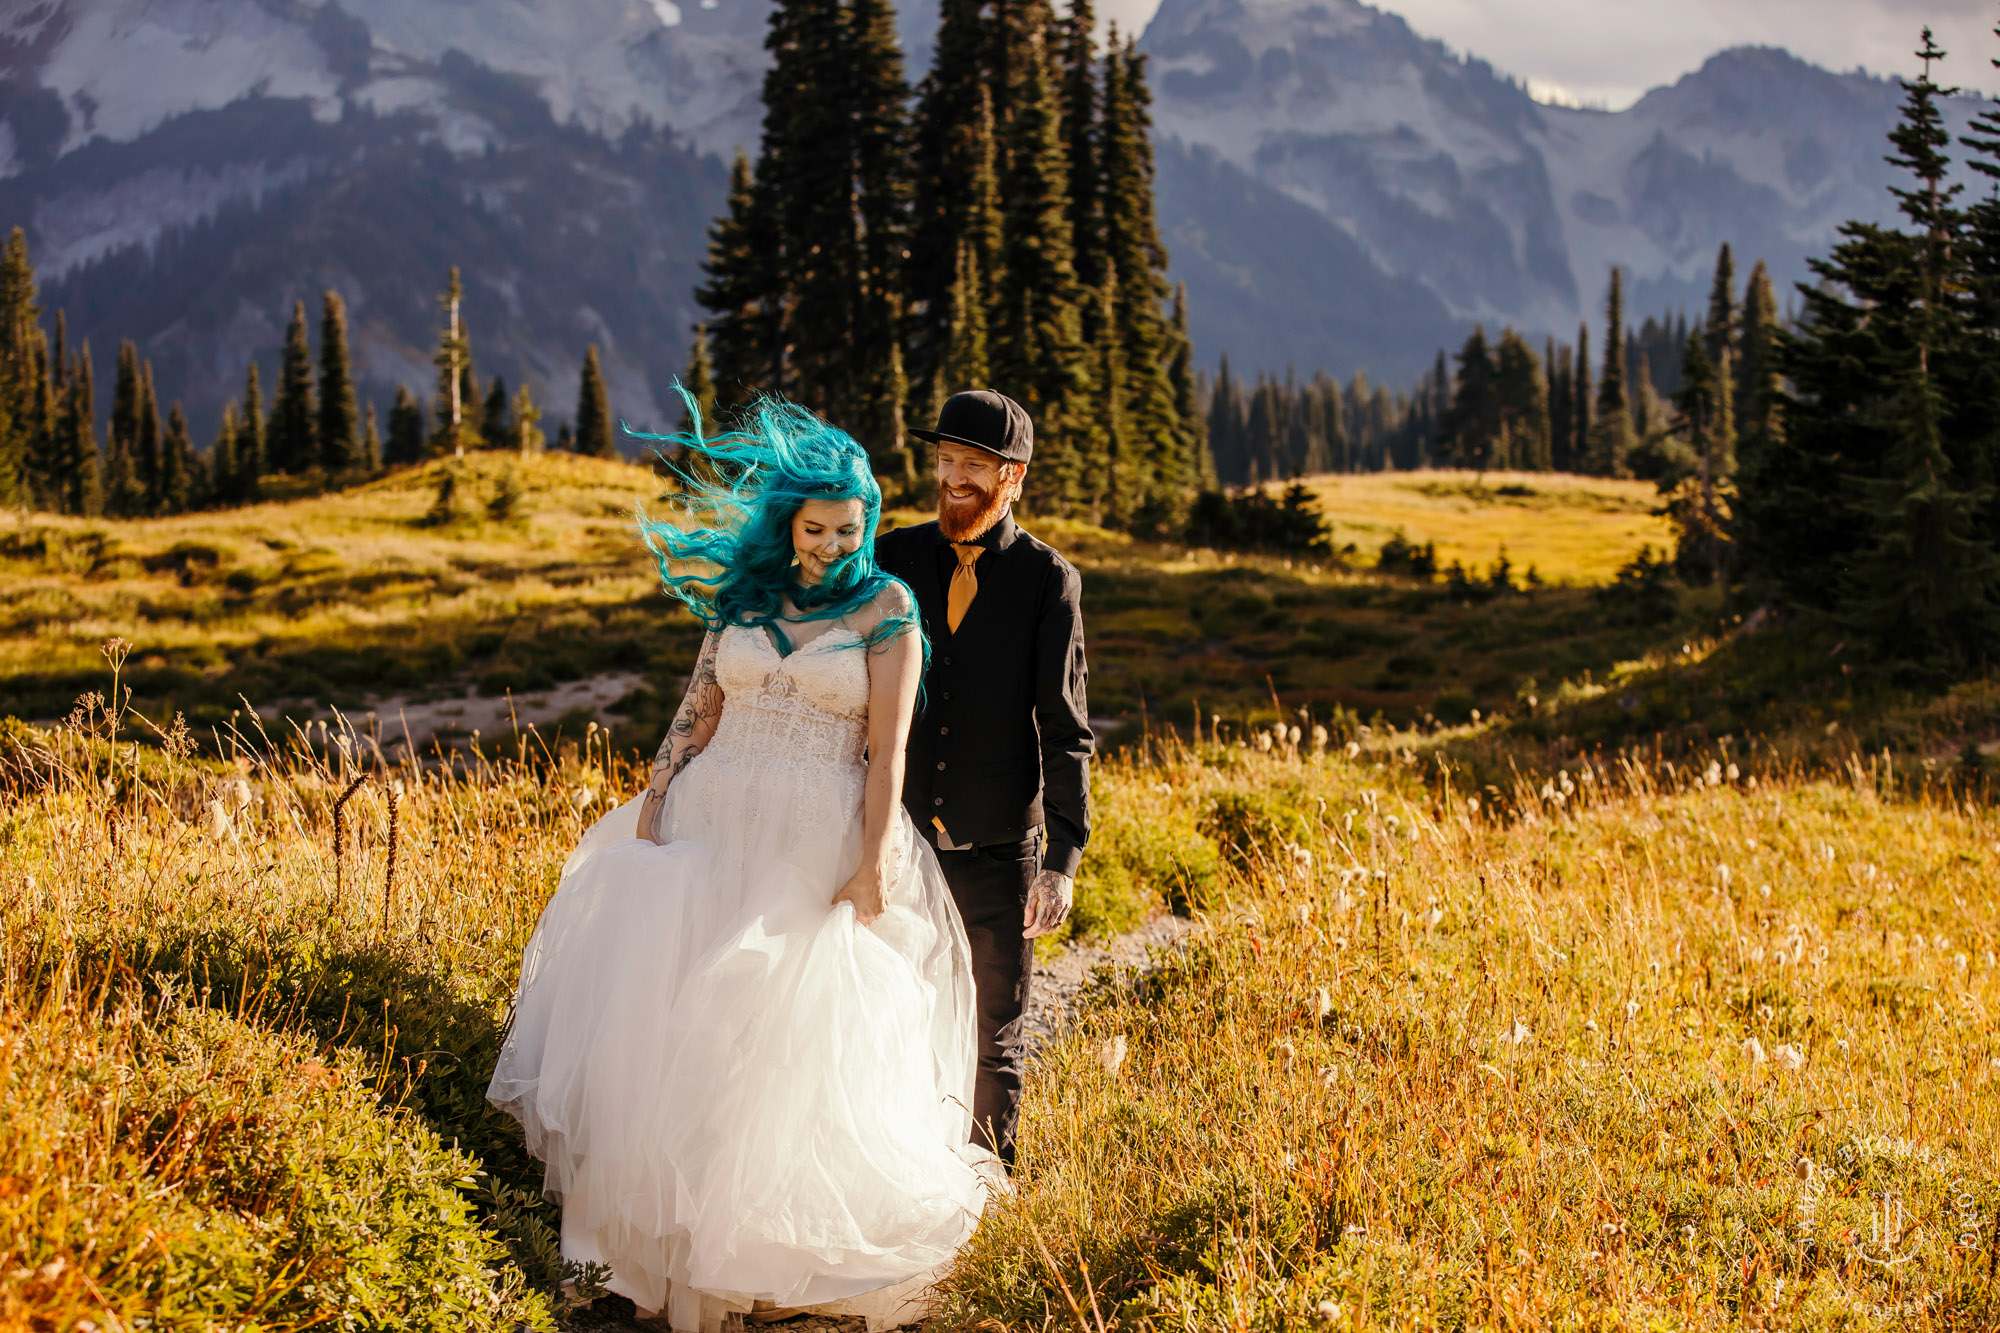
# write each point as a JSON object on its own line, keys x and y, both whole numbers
{"x": 1570, "y": 529}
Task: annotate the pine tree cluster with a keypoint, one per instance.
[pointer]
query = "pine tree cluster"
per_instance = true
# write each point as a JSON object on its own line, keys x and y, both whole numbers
{"x": 1870, "y": 497}
{"x": 1280, "y": 428}
{"x": 316, "y": 429}
{"x": 999, "y": 232}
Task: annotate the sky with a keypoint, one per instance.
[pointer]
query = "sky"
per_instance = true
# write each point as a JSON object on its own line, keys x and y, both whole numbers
{"x": 1610, "y": 52}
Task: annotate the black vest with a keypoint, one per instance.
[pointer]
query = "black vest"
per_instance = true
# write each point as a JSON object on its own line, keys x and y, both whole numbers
{"x": 1003, "y": 740}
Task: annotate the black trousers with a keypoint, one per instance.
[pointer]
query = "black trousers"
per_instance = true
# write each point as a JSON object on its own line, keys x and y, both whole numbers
{"x": 990, "y": 885}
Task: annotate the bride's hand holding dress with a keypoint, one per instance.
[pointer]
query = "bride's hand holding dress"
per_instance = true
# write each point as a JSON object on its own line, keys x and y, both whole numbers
{"x": 743, "y": 1041}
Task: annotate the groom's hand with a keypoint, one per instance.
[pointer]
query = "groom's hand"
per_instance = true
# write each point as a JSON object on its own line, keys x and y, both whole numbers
{"x": 1048, "y": 903}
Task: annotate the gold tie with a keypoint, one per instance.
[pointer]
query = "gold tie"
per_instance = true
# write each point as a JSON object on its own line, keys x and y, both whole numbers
{"x": 964, "y": 584}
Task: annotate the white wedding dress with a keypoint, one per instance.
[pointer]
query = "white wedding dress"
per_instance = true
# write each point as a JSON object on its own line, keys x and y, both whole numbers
{"x": 743, "y": 1097}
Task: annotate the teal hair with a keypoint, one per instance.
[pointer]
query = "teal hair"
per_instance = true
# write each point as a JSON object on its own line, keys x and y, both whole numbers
{"x": 730, "y": 558}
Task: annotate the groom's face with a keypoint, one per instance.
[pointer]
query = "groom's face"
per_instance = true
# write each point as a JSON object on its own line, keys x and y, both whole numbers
{"x": 974, "y": 489}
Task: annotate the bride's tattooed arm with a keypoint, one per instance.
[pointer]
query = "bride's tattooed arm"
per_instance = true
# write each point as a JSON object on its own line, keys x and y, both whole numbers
{"x": 689, "y": 734}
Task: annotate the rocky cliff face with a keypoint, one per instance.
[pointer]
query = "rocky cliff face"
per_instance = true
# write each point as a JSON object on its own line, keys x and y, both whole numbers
{"x": 1336, "y": 191}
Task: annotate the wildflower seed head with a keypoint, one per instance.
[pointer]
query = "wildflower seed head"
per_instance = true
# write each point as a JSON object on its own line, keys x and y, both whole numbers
{"x": 1112, "y": 1054}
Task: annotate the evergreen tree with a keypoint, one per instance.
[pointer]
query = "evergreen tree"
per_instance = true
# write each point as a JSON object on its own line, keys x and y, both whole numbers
{"x": 1562, "y": 405}
{"x": 224, "y": 470}
{"x": 44, "y": 462}
{"x": 1136, "y": 257}
{"x": 252, "y": 451}
{"x": 406, "y": 442}
{"x": 1722, "y": 337}
{"x": 291, "y": 442}
{"x": 1758, "y": 388}
{"x": 527, "y": 423}
{"x": 1611, "y": 432}
{"x": 1077, "y": 72}
{"x": 124, "y": 489}
{"x": 1927, "y": 583}
{"x": 1698, "y": 407}
{"x": 1109, "y": 486}
{"x": 965, "y": 348}
{"x": 744, "y": 292}
{"x": 371, "y": 443}
{"x": 593, "y": 411}
{"x": 1581, "y": 415}
{"x": 1199, "y": 467}
{"x": 77, "y": 486}
{"x": 147, "y": 451}
{"x": 496, "y": 430}
{"x": 1037, "y": 335}
{"x": 339, "y": 413}
{"x": 178, "y": 479}
{"x": 1226, "y": 426}
{"x": 1524, "y": 404}
{"x": 453, "y": 359}
{"x": 700, "y": 383}
{"x": 1472, "y": 424}
{"x": 22, "y": 401}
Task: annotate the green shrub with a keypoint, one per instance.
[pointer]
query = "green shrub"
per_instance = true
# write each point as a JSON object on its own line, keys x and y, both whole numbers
{"x": 184, "y": 1171}
{"x": 1250, "y": 826}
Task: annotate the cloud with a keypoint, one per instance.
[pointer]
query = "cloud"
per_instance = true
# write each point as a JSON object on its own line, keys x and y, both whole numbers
{"x": 1611, "y": 52}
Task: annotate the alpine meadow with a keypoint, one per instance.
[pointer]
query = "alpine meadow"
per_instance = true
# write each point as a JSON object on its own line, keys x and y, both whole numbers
{"x": 1544, "y": 863}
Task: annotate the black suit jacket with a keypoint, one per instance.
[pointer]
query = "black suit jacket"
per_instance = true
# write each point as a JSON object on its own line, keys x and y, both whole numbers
{"x": 1003, "y": 742}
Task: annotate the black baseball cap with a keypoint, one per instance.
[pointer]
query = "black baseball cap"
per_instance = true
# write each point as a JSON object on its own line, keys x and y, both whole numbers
{"x": 985, "y": 420}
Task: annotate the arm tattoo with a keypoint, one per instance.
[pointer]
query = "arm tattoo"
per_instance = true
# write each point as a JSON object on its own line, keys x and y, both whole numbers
{"x": 695, "y": 722}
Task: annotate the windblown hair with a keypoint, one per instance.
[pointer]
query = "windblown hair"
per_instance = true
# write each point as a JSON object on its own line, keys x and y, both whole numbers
{"x": 728, "y": 554}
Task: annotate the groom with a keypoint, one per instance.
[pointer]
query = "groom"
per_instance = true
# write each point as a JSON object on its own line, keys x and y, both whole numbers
{"x": 998, "y": 776}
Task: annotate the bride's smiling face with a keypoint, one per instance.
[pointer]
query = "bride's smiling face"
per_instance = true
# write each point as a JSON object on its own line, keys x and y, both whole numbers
{"x": 824, "y": 532}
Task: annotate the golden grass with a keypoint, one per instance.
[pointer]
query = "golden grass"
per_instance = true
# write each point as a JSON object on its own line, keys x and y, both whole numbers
{"x": 1453, "y": 1073}
{"x": 1539, "y": 1108}
{"x": 1570, "y": 529}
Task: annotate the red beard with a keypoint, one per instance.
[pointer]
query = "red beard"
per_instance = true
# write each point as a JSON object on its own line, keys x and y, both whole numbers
{"x": 969, "y": 520}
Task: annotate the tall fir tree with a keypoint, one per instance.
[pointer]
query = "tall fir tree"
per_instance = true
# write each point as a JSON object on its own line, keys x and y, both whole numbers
{"x": 956, "y": 196}
{"x": 371, "y": 442}
{"x": 1721, "y": 339}
{"x": 339, "y": 412}
{"x": 1136, "y": 257}
{"x": 593, "y": 411}
{"x": 700, "y": 384}
{"x": 253, "y": 456}
{"x": 744, "y": 293}
{"x": 179, "y": 479}
{"x": 1524, "y": 404}
{"x": 291, "y": 441}
{"x": 77, "y": 485}
{"x": 1582, "y": 405}
{"x": 1199, "y": 468}
{"x": 124, "y": 488}
{"x": 406, "y": 443}
{"x": 1037, "y": 332}
{"x": 1926, "y": 587}
{"x": 1758, "y": 388}
{"x": 1699, "y": 421}
{"x": 1611, "y": 431}
{"x": 453, "y": 360}
{"x": 21, "y": 420}
{"x": 224, "y": 471}
{"x": 147, "y": 451}
{"x": 528, "y": 436}
{"x": 496, "y": 428}
{"x": 1076, "y": 68}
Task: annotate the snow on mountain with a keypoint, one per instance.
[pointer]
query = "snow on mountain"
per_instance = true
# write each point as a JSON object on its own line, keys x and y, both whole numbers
{"x": 1318, "y": 163}
{"x": 1509, "y": 211}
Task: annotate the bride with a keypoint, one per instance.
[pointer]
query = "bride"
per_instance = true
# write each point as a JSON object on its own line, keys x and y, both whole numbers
{"x": 743, "y": 1041}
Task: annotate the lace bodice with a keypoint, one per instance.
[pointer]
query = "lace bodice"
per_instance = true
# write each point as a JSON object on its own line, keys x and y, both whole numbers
{"x": 810, "y": 707}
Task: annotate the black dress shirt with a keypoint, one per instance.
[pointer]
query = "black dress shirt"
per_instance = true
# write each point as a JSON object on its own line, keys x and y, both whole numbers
{"x": 1003, "y": 742}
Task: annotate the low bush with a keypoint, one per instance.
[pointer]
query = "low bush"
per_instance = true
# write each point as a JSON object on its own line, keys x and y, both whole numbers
{"x": 170, "y": 1168}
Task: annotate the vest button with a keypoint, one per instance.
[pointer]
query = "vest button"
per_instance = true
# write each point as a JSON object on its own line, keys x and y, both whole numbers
{"x": 937, "y": 800}
{"x": 940, "y": 765}
{"x": 944, "y": 731}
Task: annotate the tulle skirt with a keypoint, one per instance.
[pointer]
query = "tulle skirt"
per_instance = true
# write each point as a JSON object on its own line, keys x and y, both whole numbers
{"x": 741, "y": 1094}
